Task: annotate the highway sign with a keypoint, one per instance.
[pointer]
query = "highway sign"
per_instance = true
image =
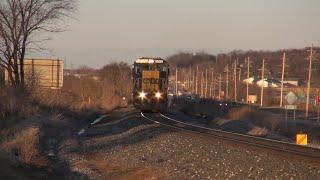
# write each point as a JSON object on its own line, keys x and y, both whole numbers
{"x": 291, "y": 98}
{"x": 301, "y": 96}
{"x": 291, "y": 107}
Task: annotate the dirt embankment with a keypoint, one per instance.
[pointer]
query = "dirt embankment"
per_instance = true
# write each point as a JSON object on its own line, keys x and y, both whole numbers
{"x": 126, "y": 146}
{"x": 31, "y": 147}
{"x": 249, "y": 120}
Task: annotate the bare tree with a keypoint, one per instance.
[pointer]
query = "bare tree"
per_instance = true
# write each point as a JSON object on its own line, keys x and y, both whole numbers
{"x": 118, "y": 77}
{"x": 20, "y": 22}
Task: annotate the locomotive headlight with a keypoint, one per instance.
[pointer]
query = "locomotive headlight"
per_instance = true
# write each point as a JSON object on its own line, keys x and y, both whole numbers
{"x": 142, "y": 95}
{"x": 158, "y": 95}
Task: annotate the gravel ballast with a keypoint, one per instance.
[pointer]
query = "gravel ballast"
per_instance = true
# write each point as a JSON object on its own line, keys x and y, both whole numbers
{"x": 150, "y": 151}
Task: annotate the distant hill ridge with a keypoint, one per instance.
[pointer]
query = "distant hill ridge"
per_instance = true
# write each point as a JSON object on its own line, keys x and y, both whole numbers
{"x": 297, "y": 62}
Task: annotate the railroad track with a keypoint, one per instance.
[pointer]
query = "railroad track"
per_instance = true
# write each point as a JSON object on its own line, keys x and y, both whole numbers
{"x": 284, "y": 147}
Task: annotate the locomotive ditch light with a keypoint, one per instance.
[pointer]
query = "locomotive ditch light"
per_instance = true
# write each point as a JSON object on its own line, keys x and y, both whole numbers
{"x": 158, "y": 95}
{"x": 142, "y": 95}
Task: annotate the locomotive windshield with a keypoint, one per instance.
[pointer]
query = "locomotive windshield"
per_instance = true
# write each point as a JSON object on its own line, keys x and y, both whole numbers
{"x": 150, "y": 67}
{"x": 150, "y": 77}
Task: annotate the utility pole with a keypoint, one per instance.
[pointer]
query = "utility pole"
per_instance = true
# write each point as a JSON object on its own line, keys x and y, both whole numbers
{"x": 220, "y": 79}
{"x": 197, "y": 79}
{"x": 309, "y": 81}
{"x": 282, "y": 77}
{"x": 205, "y": 93}
{"x": 235, "y": 79}
{"x": 185, "y": 79}
{"x": 262, "y": 85}
{"x": 193, "y": 82}
{"x": 201, "y": 85}
{"x": 214, "y": 88}
{"x": 227, "y": 82}
{"x": 186, "y": 75}
{"x": 190, "y": 80}
{"x": 71, "y": 68}
{"x": 248, "y": 76}
{"x": 176, "y": 81}
{"x": 240, "y": 74}
{"x": 239, "y": 69}
{"x": 211, "y": 84}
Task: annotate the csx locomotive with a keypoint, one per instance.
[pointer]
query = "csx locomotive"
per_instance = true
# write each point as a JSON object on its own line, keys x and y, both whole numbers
{"x": 150, "y": 84}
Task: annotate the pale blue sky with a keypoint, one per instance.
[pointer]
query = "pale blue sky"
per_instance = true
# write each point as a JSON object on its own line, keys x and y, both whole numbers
{"x": 109, "y": 30}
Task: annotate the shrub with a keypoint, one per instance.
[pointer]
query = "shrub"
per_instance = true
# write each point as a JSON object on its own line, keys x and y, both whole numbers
{"x": 16, "y": 102}
{"x": 25, "y": 144}
{"x": 256, "y": 117}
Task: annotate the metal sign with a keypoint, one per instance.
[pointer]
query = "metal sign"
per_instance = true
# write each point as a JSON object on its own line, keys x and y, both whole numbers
{"x": 301, "y": 96}
{"x": 291, "y": 107}
{"x": 291, "y": 98}
{"x": 302, "y": 139}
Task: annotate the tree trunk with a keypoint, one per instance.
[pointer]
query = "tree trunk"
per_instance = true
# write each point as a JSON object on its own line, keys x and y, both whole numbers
{"x": 9, "y": 71}
{"x": 22, "y": 82}
{"x": 16, "y": 65}
{"x": 16, "y": 72}
{"x": 10, "y": 75}
{"x": 23, "y": 52}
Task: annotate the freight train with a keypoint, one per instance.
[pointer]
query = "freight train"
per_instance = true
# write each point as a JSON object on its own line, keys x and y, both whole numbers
{"x": 150, "y": 84}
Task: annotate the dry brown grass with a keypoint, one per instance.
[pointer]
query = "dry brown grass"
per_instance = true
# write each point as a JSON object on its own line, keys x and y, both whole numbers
{"x": 79, "y": 94}
{"x": 258, "y": 131}
{"x": 16, "y": 102}
{"x": 242, "y": 113}
{"x": 26, "y": 145}
{"x": 104, "y": 92}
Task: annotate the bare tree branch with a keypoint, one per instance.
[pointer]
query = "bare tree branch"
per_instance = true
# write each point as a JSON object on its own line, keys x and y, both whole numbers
{"x": 20, "y": 21}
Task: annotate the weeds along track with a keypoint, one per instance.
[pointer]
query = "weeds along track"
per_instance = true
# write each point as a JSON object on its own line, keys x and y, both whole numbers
{"x": 303, "y": 152}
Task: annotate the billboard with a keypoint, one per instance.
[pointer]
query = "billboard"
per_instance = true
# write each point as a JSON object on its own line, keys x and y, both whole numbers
{"x": 47, "y": 73}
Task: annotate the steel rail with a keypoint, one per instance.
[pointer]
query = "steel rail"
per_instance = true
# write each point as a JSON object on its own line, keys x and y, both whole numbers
{"x": 280, "y": 146}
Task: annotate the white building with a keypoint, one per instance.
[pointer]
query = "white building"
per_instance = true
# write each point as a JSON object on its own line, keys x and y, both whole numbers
{"x": 250, "y": 80}
{"x": 293, "y": 82}
{"x": 263, "y": 82}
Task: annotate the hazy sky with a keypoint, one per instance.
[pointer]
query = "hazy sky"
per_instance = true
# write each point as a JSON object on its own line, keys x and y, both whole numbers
{"x": 107, "y": 30}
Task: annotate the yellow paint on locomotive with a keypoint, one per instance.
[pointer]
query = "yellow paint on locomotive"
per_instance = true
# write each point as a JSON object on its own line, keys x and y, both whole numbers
{"x": 150, "y": 80}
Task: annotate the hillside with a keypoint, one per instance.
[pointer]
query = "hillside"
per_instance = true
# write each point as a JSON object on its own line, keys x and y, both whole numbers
{"x": 296, "y": 60}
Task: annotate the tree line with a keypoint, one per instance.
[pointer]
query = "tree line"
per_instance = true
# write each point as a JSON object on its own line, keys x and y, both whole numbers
{"x": 296, "y": 62}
